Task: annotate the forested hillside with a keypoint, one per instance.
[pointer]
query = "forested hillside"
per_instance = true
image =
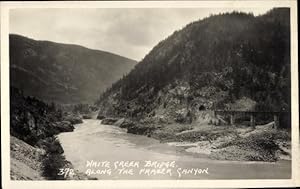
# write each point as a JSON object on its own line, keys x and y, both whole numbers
{"x": 63, "y": 73}
{"x": 229, "y": 61}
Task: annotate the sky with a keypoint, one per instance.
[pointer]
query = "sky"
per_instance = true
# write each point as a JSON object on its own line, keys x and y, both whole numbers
{"x": 128, "y": 32}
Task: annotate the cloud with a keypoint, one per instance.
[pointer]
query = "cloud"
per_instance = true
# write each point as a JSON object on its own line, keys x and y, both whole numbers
{"x": 127, "y": 32}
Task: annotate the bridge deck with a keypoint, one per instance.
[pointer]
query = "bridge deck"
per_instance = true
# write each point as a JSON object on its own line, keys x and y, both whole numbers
{"x": 276, "y": 115}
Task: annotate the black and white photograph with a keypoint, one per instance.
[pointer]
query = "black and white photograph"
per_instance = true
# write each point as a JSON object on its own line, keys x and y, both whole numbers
{"x": 150, "y": 93}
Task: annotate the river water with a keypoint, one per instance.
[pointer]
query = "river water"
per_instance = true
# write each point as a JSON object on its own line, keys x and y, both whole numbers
{"x": 120, "y": 155}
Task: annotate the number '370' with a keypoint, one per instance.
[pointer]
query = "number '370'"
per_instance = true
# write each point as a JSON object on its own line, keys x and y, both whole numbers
{"x": 66, "y": 172}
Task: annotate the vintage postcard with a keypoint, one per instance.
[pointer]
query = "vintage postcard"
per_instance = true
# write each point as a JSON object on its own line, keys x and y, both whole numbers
{"x": 149, "y": 94}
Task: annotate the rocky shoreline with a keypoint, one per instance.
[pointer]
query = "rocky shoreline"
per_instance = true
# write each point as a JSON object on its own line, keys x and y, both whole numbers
{"x": 36, "y": 154}
{"x": 239, "y": 143}
{"x": 44, "y": 160}
{"x": 29, "y": 163}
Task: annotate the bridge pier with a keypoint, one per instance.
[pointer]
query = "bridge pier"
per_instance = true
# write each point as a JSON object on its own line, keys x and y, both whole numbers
{"x": 252, "y": 120}
{"x": 276, "y": 121}
{"x": 231, "y": 119}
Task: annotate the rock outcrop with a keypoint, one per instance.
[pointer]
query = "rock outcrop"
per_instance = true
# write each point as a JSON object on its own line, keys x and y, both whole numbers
{"x": 74, "y": 119}
{"x": 64, "y": 126}
{"x": 99, "y": 116}
{"x": 109, "y": 121}
{"x": 124, "y": 123}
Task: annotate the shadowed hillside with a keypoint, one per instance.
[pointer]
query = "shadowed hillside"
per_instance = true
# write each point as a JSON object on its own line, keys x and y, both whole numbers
{"x": 63, "y": 73}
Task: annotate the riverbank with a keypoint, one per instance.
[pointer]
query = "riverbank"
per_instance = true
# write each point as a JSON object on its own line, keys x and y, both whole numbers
{"x": 35, "y": 152}
{"x": 42, "y": 162}
{"x": 42, "y": 158}
{"x": 236, "y": 143}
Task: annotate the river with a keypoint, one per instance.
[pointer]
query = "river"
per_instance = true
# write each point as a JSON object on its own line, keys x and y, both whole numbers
{"x": 121, "y": 155}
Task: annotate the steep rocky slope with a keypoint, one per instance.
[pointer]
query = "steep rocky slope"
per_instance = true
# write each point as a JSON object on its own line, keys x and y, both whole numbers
{"x": 25, "y": 163}
{"x": 230, "y": 61}
{"x": 63, "y": 73}
{"x": 35, "y": 152}
{"x": 32, "y": 120}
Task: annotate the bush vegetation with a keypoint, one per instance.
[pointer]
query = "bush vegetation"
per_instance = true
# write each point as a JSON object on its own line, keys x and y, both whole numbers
{"x": 53, "y": 160}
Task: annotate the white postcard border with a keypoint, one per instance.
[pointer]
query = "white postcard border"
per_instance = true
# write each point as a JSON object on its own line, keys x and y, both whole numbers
{"x": 7, "y": 183}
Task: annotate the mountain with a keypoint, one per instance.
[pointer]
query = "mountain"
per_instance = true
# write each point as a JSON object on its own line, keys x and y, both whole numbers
{"x": 63, "y": 73}
{"x": 231, "y": 61}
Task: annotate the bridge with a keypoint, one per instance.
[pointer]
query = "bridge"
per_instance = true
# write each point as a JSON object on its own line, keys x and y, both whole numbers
{"x": 277, "y": 117}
